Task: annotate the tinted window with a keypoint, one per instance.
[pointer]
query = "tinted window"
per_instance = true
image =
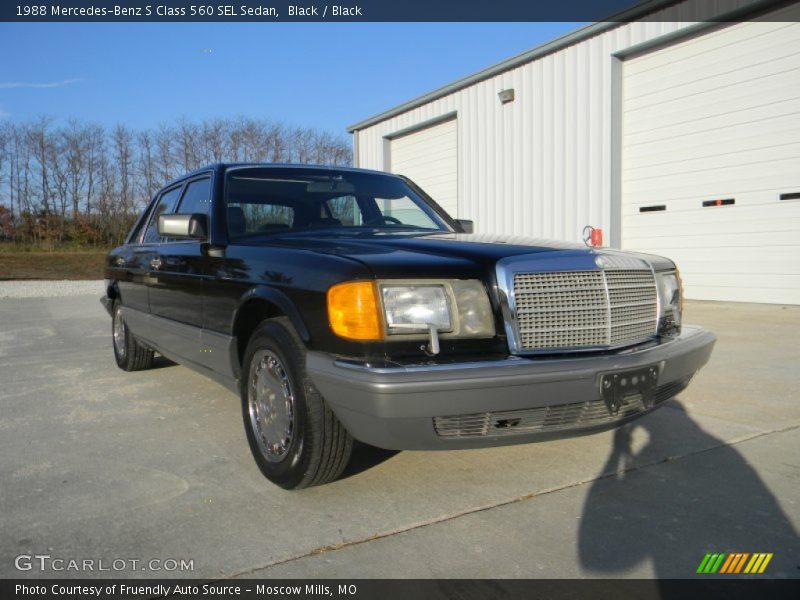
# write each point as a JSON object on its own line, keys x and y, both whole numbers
{"x": 261, "y": 217}
{"x": 275, "y": 200}
{"x": 402, "y": 210}
{"x": 166, "y": 204}
{"x": 196, "y": 198}
{"x": 344, "y": 209}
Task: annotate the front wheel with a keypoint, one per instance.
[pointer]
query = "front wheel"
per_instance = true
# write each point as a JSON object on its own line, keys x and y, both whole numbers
{"x": 294, "y": 436}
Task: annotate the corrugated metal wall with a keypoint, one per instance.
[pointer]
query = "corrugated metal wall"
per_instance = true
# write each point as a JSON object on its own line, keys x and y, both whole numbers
{"x": 542, "y": 164}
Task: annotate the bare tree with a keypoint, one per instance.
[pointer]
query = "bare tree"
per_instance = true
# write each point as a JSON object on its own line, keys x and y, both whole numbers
{"x": 85, "y": 183}
{"x": 122, "y": 142}
{"x": 166, "y": 167}
{"x": 187, "y": 135}
{"x": 147, "y": 168}
{"x": 214, "y": 138}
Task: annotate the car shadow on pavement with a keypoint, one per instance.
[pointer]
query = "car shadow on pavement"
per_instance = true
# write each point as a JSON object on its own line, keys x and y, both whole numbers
{"x": 676, "y": 510}
{"x": 160, "y": 362}
{"x": 364, "y": 458}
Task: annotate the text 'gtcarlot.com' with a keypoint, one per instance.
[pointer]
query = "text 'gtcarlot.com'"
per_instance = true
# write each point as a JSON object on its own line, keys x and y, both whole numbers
{"x": 46, "y": 562}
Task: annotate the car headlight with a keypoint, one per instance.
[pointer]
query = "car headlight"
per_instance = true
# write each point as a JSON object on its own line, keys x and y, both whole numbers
{"x": 366, "y": 310}
{"x": 670, "y": 294}
{"x": 409, "y": 306}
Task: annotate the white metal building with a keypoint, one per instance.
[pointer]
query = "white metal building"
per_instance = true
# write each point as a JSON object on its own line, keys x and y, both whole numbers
{"x": 675, "y": 135}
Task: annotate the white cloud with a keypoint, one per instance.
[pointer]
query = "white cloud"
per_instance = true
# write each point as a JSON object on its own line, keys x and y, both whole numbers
{"x": 8, "y": 85}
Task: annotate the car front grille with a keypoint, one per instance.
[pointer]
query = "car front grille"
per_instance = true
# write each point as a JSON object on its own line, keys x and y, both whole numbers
{"x": 546, "y": 419}
{"x": 584, "y": 309}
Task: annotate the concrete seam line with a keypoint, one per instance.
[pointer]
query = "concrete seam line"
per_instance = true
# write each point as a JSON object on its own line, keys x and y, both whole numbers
{"x": 518, "y": 499}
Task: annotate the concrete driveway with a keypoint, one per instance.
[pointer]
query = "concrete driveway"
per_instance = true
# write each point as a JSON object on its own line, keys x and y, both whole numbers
{"x": 96, "y": 463}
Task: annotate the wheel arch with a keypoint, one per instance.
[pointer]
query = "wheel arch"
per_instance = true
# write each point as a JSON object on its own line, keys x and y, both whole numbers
{"x": 112, "y": 290}
{"x": 258, "y": 304}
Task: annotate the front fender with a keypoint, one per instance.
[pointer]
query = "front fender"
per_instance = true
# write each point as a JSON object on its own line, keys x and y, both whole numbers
{"x": 279, "y": 300}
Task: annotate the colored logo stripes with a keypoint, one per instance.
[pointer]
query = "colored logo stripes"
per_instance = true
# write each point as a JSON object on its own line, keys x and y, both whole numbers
{"x": 735, "y": 562}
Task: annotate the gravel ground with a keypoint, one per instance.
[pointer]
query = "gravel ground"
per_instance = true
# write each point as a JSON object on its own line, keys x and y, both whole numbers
{"x": 50, "y": 289}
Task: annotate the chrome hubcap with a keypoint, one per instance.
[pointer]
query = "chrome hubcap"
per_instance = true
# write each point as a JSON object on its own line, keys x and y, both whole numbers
{"x": 119, "y": 333}
{"x": 271, "y": 405}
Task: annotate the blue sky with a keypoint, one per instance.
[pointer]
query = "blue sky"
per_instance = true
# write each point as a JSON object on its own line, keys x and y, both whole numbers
{"x": 323, "y": 75}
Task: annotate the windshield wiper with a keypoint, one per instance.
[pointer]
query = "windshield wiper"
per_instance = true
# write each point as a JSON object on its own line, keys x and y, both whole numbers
{"x": 400, "y": 230}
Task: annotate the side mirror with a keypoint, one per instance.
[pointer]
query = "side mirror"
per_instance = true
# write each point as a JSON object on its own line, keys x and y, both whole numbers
{"x": 191, "y": 227}
{"x": 466, "y": 225}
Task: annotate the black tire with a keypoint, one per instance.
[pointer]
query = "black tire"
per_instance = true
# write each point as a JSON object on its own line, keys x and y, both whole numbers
{"x": 130, "y": 354}
{"x": 311, "y": 446}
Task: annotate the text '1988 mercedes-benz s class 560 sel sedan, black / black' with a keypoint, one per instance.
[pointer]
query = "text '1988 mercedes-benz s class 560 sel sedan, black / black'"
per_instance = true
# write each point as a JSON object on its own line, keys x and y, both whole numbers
{"x": 344, "y": 304}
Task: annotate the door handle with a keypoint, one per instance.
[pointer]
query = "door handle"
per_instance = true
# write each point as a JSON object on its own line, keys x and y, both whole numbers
{"x": 155, "y": 263}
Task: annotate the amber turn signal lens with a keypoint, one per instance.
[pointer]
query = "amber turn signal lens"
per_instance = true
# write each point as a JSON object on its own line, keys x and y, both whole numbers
{"x": 353, "y": 310}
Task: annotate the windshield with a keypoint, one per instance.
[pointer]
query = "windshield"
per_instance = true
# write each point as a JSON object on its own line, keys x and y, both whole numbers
{"x": 269, "y": 201}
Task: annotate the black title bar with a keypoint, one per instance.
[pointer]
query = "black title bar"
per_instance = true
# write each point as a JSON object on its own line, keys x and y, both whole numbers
{"x": 367, "y": 10}
{"x": 704, "y": 587}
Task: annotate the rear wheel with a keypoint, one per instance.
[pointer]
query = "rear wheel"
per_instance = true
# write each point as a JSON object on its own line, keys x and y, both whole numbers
{"x": 130, "y": 354}
{"x": 294, "y": 436}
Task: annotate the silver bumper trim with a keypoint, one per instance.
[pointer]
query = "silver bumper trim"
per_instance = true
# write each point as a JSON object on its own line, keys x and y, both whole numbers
{"x": 394, "y": 407}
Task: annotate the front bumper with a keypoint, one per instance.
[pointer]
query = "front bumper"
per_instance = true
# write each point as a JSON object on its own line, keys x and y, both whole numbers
{"x": 516, "y": 400}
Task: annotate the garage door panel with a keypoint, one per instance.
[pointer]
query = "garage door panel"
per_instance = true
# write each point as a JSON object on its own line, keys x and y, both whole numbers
{"x": 723, "y": 164}
{"x": 703, "y": 99}
{"x": 728, "y": 39}
{"x": 754, "y": 279}
{"x": 724, "y": 256}
{"x": 688, "y": 124}
{"x": 735, "y": 292}
{"x": 432, "y": 163}
{"x": 692, "y": 198}
{"x": 740, "y": 239}
{"x": 664, "y": 226}
{"x": 717, "y": 68}
{"x": 715, "y": 117}
{"x": 691, "y": 148}
{"x": 779, "y": 265}
{"x": 438, "y": 180}
{"x": 757, "y": 215}
{"x": 415, "y": 152}
{"x": 708, "y": 91}
{"x": 712, "y": 184}
{"x": 429, "y": 157}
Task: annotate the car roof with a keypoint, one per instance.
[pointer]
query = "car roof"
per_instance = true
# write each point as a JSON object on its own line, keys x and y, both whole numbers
{"x": 229, "y": 165}
{"x": 224, "y": 166}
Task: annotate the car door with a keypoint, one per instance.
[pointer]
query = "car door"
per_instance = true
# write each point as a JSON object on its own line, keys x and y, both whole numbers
{"x": 139, "y": 262}
{"x": 131, "y": 272}
{"x": 176, "y": 280}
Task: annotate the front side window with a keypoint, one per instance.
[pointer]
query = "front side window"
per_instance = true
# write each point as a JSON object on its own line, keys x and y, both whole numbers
{"x": 196, "y": 198}
{"x": 166, "y": 204}
{"x": 267, "y": 201}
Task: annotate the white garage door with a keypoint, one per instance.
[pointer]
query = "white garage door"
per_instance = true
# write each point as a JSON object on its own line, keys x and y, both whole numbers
{"x": 429, "y": 157}
{"x": 716, "y": 120}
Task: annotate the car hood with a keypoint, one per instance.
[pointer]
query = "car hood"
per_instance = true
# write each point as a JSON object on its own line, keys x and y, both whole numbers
{"x": 444, "y": 255}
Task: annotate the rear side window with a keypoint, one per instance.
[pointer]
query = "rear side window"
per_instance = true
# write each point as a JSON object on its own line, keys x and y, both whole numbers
{"x": 196, "y": 198}
{"x": 166, "y": 204}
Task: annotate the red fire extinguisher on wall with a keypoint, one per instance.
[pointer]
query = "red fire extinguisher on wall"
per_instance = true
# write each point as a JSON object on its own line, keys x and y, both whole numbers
{"x": 592, "y": 236}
